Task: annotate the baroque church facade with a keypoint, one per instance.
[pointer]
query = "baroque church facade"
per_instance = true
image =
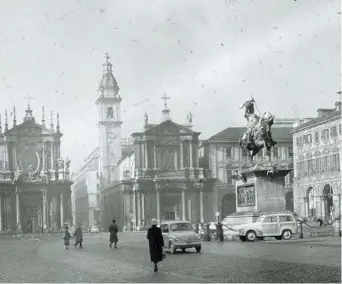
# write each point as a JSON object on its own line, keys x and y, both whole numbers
{"x": 35, "y": 190}
{"x": 161, "y": 179}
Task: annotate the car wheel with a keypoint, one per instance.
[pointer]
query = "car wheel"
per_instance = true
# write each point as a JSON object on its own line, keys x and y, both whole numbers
{"x": 172, "y": 248}
{"x": 242, "y": 238}
{"x": 198, "y": 249}
{"x": 278, "y": 238}
{"x": 251, "y": 236}
{"x": 286, "y": 235}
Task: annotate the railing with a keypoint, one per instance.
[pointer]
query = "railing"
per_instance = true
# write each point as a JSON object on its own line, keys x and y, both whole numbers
{"x": 169, "y": 174}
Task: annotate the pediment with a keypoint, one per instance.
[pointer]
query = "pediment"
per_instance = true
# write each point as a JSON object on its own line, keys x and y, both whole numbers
{"x": 28, "y": 128}
{"x": 169, "y": 127}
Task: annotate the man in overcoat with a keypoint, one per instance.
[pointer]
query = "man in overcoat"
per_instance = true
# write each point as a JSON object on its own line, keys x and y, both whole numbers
{"x": 78, "y": 235}
{"x": 156, "y": 243}
{"x": 113, "y": 234}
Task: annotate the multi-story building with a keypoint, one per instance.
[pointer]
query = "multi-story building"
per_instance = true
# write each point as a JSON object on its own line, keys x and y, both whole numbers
{"x": 34, "y": 179}
{"x": 222, "y": 155}
{"x": 162, "y": 178}
{"x": 317, "y": 164}
{"x": 86, "y": 192}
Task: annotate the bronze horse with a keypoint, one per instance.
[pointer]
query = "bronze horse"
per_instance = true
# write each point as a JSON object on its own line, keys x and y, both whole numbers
{"x": 259, "y": 136}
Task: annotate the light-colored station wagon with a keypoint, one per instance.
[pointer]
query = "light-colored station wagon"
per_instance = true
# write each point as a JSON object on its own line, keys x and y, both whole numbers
{"x": 277, "y": 225}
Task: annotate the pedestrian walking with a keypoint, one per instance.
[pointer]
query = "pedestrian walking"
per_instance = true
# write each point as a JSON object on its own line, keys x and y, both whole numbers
{"x": 67, "y": 236}
{"x": 113, "y": 234}
{"x": 156, "y": 243}
{"x": 78, "y": 236}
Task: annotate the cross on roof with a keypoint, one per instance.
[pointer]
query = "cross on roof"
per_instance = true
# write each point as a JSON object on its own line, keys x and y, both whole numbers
{"x": 107, "y": 57}
{"x": 165, "y": 98}
{"x": 29, "y": 98}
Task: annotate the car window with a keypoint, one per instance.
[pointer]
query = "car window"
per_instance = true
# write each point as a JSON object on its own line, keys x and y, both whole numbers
{"x": 164, "y": 228}
{"x": 181, "y": 227}
{"x": 271, "y": 219}
{"x": 286, "y": 218}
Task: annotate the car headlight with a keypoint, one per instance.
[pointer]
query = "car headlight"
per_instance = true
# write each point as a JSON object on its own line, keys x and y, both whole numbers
{"x": 242, "y": 231}
{"x": 175, "y": 238}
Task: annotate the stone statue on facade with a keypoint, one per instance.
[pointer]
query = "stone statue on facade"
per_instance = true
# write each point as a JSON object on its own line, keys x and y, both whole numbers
{"x": 43, "y": 175}
{"x": 60, "y": 164}
{"x": 17, "y": 174}
{"x": 189, "y": 117}
{"x": 146, "y": 118}
{"x": 67, "y": 165}
{"x": 258, "y": 134}
{"x": 30, "y": 172}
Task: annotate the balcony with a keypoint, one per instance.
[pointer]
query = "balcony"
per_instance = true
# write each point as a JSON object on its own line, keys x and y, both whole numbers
{"x": 184, "y": 174}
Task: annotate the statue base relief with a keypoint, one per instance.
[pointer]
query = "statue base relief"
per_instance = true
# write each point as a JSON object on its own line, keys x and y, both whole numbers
{"x": 260, "y": 188}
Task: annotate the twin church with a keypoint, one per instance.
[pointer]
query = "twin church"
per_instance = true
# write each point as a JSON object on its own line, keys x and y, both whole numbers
{"x": 162, "y": 171}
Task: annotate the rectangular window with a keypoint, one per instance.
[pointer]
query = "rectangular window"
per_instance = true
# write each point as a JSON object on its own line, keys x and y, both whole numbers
{"x": 322, "y": 165}
{"x": 309, "y": 138}
{"x": 318, "y": 165}
{"x": 333, "y": 131}
{"x": 271, "y": 219}
{"x": 340, "y": 128}
{"x": 325, "y": 134}
{"x": 275, "y": 152}
{"x": 305, "y": 139}
{"x": 316, "y": 136}
{"x": 326, "y": 161}
{"x": 285, "y": 219}
{"x": 305, "y": 168}
{"x": 228, "y": 152}
{"x": 297, "y": 141}
{"x": 309, "y": 168}
{"x": 229, "y": 174}
{"x": 290, "y": 152}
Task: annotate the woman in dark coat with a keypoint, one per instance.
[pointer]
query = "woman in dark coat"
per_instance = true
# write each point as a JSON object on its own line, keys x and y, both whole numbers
{"x": 66, "y": 237}
{"x": 156, "y": 243}
{"x": 113, "y": 234}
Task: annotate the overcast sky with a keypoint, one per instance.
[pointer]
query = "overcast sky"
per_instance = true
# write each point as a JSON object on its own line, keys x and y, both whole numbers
{"x": 208, "y": 56}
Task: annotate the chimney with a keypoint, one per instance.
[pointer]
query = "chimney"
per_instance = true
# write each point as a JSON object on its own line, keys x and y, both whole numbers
{"x": 338, "y": 106}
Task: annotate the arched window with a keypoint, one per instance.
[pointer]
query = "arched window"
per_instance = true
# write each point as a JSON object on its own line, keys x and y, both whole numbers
{"x": 110, "y": 112}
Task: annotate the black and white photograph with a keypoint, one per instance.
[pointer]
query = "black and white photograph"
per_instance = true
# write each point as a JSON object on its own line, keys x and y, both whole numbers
{"x": 170, "y": 141}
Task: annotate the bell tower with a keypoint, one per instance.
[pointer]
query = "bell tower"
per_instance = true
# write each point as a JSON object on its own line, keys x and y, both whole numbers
{"x": 109, "y": 122}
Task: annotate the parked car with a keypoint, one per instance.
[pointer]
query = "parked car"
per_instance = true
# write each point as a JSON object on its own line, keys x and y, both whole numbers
{"x": 94, "y": 230}
{"x": 180, "y": 235}
{"x": 277, "y": 225}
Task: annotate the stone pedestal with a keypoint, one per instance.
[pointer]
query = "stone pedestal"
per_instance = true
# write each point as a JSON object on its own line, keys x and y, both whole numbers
{"x": 261, "y": 189}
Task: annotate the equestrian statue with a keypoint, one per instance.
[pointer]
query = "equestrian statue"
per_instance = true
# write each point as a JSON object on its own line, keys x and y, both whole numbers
{"x": 258, "y": 134}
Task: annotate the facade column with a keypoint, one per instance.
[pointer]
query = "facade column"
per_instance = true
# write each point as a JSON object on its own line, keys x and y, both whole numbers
{"x": 155, "y": 156}
{"x": 43, "y": 157}
{"x": 15, "y": 156}
{"x": 61, "y": 210}
{"x": 143, "y": 208}
{"x": 1, "y": 210}
{"x": 158, "y": 204}
{"x": 146, "y": 155}
{"x": 190, "y": 153}
{"x": 181, "y": 155}
{"x": 134, "y": 211}
{"x": 52, "y": 157}
{"x": 17, "y": 205}
{"x": 176, "y": 160}
{"x": 183, "y": 205}
{"x": 201, "y": 206}
{"x": 6, "y": 166}
{"x": 139, "y": 209}
{"x": 44, "y": 210}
